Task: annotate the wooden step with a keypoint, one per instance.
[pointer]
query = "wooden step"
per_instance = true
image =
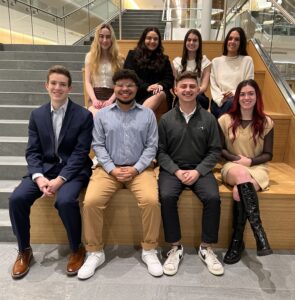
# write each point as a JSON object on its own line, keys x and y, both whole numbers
{"x": 123, "y": 223}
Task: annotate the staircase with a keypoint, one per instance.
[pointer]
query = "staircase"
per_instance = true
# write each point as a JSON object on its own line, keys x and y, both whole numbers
{"x": 134, "y": 21}
{"x": 23, "y": 70}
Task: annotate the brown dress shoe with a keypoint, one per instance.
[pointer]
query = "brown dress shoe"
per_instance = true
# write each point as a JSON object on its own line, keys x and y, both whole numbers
{"x": 76, "y": 260}
{"x": 22, "y": 264}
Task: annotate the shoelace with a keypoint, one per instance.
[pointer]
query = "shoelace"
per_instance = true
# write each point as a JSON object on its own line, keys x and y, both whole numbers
{"x": 20, "y": 254}
{"x": 212, "y": 256}
{"x": 172, "y": 256}
{"x": 90, "y": 259}
{"x": 152, "y": 257}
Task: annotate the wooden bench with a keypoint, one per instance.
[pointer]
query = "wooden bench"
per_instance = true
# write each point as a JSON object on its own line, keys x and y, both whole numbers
{"x": 123, "y": 223}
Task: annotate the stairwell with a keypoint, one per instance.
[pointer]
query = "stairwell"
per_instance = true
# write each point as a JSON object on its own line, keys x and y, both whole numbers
{"x": 134, "y": 21}
{"x": 23, "y": 70}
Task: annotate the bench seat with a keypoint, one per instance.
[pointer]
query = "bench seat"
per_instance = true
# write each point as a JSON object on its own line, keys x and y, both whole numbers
{"x": 123, "y": 223}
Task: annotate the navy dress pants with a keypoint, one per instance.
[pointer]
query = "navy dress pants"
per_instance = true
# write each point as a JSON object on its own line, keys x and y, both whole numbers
{"x": 66, "y": 202}
{"x": 206, "y": 188}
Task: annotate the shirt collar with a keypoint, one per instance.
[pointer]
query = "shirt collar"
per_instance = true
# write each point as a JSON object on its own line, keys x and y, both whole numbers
{"x": 187, "y": 115}
{"x": 135, "y": 105}
{"x": 63, "y": 107}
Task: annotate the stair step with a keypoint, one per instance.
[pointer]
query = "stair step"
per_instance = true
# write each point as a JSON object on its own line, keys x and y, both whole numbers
{"x": 39, "y": 65}
{"x": 45, "y": 48}
{"x": 6, "y": 234}
{"x": 32, "y": 86}
{"x": 10, "y": 74}
{"x": 14, "y": 128}
{"x": 33, "y": 98}
{"x": 15, "y": 146}
{"x": 12, "y": 167}
{"x": 4, "y": 217}
{"x": 6, "y": 188}
{"x": 16, "y": 112}
{"x": 42, "y": 56}
{"x": 136, "y": 25}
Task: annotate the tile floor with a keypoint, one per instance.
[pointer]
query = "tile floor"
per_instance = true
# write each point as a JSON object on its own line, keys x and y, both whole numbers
{"x": 124, "y": 276}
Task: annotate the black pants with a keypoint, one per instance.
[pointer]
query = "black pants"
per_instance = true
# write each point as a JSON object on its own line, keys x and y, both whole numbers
{"x": 206, "y": 189}
{"x": 66, "y": 202}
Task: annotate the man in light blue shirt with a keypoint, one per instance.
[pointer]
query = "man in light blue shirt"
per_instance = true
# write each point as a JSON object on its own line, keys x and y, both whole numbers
{"x": 125, "y": 141}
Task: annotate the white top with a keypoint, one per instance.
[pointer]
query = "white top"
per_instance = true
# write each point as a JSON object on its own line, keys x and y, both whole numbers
{"x": 103, "y": 78}
{"x": 227, "y": 72}
{"x": 191, "y": 65}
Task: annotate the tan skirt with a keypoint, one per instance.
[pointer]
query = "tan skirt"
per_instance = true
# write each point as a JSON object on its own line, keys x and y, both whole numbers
{"x": 259, "y": 173}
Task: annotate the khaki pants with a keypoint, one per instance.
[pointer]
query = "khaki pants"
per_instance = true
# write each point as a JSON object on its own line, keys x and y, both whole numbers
{"x": 101, "y": 188}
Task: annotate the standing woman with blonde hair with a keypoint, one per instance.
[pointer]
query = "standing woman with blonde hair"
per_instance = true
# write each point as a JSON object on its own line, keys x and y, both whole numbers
{"x": 193, "y": 60}
{"x": 101, "y": 62}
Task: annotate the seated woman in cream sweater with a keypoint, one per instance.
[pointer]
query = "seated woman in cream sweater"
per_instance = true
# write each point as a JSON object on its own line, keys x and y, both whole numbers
{"x": 228, "y": 70}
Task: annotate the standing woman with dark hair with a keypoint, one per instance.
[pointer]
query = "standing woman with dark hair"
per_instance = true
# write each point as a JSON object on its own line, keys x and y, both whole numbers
{"x": 228, "y": 70}
{"x": 193, "y": 60}
{"x": 101, "y": 62}
{"x": 153, "y": 68}
{"x": 247, "y": 138}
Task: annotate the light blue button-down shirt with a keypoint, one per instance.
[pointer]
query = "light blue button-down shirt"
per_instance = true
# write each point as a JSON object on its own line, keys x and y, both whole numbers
{"x": 125, "y": 137}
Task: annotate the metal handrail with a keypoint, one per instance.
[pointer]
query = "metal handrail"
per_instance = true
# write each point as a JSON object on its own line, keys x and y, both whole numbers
{"x": 287, "y": 16}
{"x": 88, "y": 35}
{"x": 77, "y": 9}
{"x": 283, "y": 85}
{"x": 54, "y": 15}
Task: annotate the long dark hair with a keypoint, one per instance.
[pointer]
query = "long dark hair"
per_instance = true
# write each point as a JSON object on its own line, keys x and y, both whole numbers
{"x": 199, "y": 54}
{"x": 153, "y": 60}
{"x": 259, "y": 117}
{"x": 243, "y": 41}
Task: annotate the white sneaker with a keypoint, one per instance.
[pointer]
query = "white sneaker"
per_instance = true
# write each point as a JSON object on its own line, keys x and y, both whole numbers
{"x": 150, "y": 258}
{"x": 210, "y": 259}
{"x": 93, "y": 261}
{"x": 171, "y": 264}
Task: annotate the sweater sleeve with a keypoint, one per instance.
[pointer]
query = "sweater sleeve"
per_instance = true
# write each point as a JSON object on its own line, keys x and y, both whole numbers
{"x": 164, "y": 159}
{"x": 216, "y": 92}
{"x": 249, "y": 70}
{"x": 168, "y": 78}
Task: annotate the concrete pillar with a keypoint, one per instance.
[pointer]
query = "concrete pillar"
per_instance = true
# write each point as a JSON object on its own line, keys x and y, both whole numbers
{"x": 206, "y": 19}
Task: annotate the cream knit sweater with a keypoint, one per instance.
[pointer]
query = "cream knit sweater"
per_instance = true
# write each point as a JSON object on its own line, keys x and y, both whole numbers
{"x": 227, "y": 72}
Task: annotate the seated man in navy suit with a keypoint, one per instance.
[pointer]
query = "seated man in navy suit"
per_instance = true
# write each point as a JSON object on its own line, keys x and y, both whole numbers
{"x": 60, "y": 135}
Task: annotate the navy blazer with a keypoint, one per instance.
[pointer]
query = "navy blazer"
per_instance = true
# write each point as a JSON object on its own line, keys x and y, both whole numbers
{"x": 73, "y": 145}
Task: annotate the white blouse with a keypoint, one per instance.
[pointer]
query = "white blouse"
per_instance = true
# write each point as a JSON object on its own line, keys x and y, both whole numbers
{"x": 191, "y": 65}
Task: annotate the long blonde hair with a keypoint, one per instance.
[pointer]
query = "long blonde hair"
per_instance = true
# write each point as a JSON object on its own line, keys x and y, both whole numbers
{"x": 114, "y": 57}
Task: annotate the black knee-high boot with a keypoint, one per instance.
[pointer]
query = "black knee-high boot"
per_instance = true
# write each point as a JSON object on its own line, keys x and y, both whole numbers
{"x": 249, "y": 198}
{"x": 237, "y": 246}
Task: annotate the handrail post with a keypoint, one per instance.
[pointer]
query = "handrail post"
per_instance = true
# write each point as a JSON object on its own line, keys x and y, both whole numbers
{"x": 224, "y": 18}
{"x": 120, "y": 20}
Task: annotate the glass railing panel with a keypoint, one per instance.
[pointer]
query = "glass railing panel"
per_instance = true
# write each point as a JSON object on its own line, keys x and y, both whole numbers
{"x": 104, "y": 9}
{"x": 181, "y": 19}
{"x": 45, "y": 30}
{"x": 76, "y": 26}
{"x": 275, "y": 31}
{"x": 20, "y": 23}
{"x": 51, "y": 7}
{"x": 73, "y": 6}
{"x": 5, "y": 34}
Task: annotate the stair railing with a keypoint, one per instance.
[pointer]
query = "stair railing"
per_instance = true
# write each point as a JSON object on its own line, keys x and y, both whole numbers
{"x": 59, "y": 31}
